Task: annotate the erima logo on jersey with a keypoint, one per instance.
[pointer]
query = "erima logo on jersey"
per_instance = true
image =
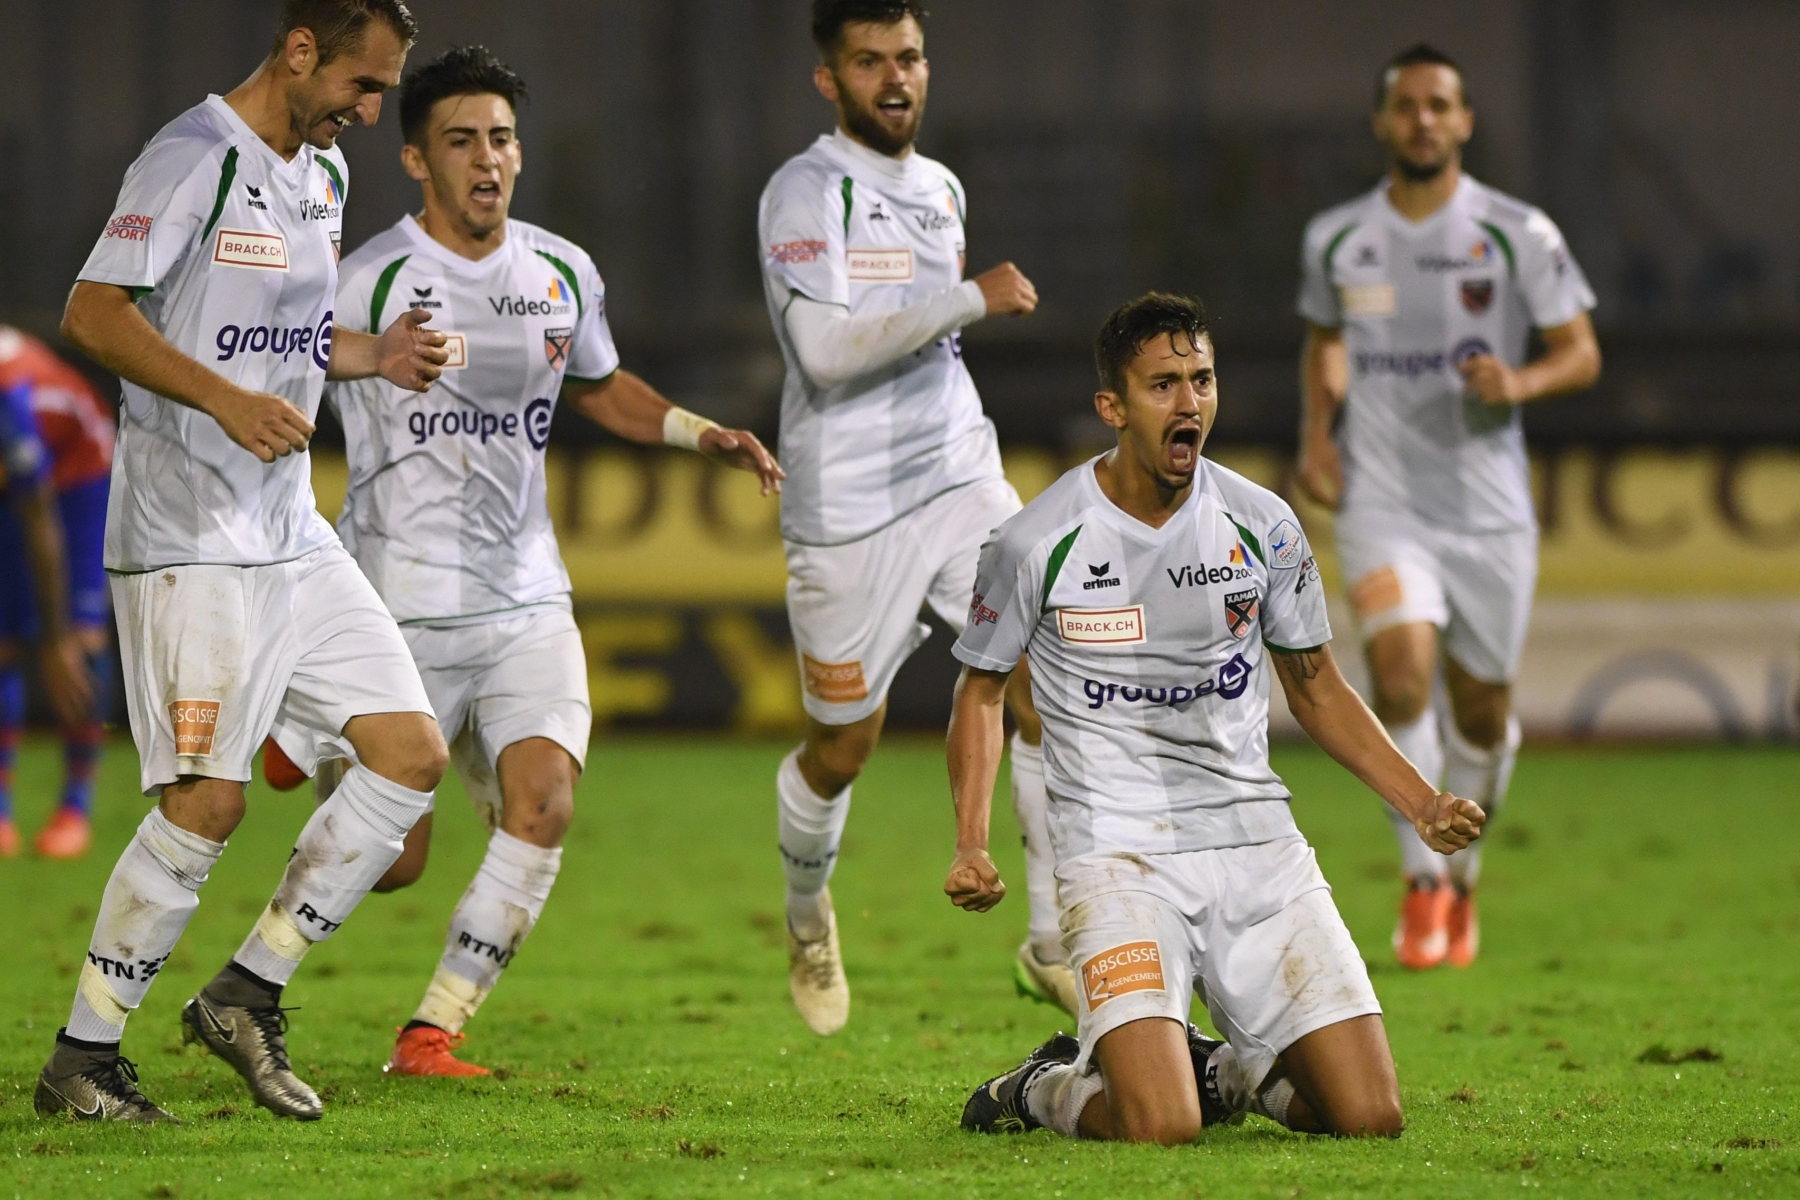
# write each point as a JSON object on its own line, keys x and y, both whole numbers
{"x": 519, "y": 306}
{"x": 1100, "y": 578}
{"x": 256, "y": 198}
{"x": 1230, "y": 683}
{"x": 422, "y": 299}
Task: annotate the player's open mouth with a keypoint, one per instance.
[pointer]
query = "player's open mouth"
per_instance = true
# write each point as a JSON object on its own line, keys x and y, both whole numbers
{"x": 894, "y": 107}
{"x": 1183, "y": 442}
{"x": 342, "y": 121}
{"x": 486, "y": 194}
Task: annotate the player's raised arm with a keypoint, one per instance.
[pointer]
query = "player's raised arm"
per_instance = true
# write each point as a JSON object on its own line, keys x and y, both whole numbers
{"x": 1335, "y": 717}
{"x": 104, "y": 324}
{"x": 628, "y": 406}
{"x": 976, "y": 735}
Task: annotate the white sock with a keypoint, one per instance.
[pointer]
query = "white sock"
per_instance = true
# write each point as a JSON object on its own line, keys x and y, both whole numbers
{"x": 810, "y": 828}
{"x": 152, "y": 893}
{"x": 1030, "y": 806}
{"x": 1482, "y": 776}
{"x": 1058, "y": 1094}
{"x": 1421, "y": 743}
{"x": 489, "y": 924}
{"x": 347, "y": 846}
{"x": 1273, "y": 1099}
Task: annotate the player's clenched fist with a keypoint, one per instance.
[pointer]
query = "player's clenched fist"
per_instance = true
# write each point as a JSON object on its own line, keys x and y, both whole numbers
{"x": 1448, "y": 823}
{"x": 411, "y": 356}
{"x": 1007, "y": 291}
{"x": 267, "y": 426}
{"x": 1492, "y": 381}
{"x": 974, "y": 881}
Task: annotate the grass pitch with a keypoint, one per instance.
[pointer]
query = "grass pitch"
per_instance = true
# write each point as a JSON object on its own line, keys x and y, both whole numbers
{"x": 1628, "y": 1030}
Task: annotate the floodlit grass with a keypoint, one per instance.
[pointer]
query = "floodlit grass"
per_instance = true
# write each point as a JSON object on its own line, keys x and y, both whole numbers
{"x": 1640, "y": 906}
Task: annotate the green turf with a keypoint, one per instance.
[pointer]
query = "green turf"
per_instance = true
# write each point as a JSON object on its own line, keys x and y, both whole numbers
{"x": 1634, "y": 900}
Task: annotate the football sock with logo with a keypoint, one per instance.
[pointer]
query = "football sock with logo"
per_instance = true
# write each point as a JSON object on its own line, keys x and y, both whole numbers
{"x": 347, "y": 846}
{"x": 1482, "y": 776}
{"x": 1422, "y": 744}
{"x": 1056, "y": 1095}
{"x": 810, "y": 828}
{"x": 12, "y": 722}
{"x": 490, "y": 923}
{"x": 152, "y": 893}
{"x": 1030, "y": 804}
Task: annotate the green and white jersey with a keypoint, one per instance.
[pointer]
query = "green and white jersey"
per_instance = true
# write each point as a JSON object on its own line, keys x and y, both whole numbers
{"x": 446, "y": 510}
{"x": 1149, "y": 657}
{"x": 1414, "y": 300}
{"x": 232, "y": 254}
{"x": 843, "y": 225}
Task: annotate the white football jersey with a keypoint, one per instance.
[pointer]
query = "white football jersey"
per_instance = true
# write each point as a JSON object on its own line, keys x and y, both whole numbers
{"x": 446, "y": 512}
{"x": 232, "y": 255}
{"x": 1149, "y": 653}
{"x": 841, "y": 224}
{"x": 1414, "y": 300}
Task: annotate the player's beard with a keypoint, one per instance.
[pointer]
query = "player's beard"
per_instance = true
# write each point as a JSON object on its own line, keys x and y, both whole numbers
{"x": 866, "y": 127}
{"x": 1421, "y": 172}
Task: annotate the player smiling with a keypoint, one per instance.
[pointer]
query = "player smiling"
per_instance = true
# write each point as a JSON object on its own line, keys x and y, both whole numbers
{"x": 446, "y": 509}
{"x": 1179, "y": 866}
{"x": 238, "y": 610}
{"x": 895, "y": 470}
{"x": 1418, "y": 298}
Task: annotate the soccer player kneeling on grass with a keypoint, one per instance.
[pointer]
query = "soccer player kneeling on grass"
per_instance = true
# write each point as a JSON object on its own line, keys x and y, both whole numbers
{"x": 1153, "y": 592}
{"x": 446, "y": 512}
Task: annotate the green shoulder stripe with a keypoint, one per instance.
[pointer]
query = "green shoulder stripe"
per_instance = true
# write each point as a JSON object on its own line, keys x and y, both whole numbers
{"x": 849, "y": 187}
{"x": 568, "y": 274}
{"x": 1057, "y": 557}
{"x": 226, "y": 176}
{"x": 383, "y": 286}
{"x": 331, "y": 170}
{"x": 1505, "y": 244}
{"x": 1331, "y": 247}
{"x": 1249, "y": 540}
{"x": 956, "y": 198}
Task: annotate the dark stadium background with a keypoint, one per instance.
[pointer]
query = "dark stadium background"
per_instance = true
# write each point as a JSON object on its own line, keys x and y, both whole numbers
{"x": 1106, "y": 147}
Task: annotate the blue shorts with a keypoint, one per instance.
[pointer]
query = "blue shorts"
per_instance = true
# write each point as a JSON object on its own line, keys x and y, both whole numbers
{"x": 84, "y": 533}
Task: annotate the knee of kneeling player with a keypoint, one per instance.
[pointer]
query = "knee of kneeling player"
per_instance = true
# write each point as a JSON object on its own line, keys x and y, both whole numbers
{"x": 1160, "y": 1128}
{"x": 1372, "y": 1118}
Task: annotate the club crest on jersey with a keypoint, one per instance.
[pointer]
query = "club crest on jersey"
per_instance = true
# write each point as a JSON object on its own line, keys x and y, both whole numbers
{"x": 1477, "y": 295}
{"x": 556, "y": 346}
{"x": 1240, "y": 613}
{"x": 1102, "y": 626}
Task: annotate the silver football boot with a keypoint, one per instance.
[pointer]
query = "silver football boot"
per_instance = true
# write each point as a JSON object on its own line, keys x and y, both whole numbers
{"x": 94, "y": 1085}
{"x": 254, "y": 1042}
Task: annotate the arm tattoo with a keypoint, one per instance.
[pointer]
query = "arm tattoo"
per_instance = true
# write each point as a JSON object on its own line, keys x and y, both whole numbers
{"x": 1302, "y": 666}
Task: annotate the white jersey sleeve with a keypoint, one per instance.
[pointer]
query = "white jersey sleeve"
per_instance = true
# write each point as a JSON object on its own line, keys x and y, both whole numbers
{"x": 804, "y": 223}
{"x": 161, "y": 214}
{"x": 1318, "y": 302}
{"x": 1550, "y": 282}
{"x": 592, "y": 354}
{"x": 1293, "y": 608}
{"x": 1005, "y": 610}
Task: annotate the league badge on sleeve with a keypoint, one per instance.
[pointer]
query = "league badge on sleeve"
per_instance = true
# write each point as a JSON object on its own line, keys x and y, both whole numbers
{"x": 1284, "y": 545}
{"x": 1240, "y": 613}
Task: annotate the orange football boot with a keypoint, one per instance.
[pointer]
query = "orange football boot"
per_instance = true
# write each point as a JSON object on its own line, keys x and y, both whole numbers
{"x": 66, "y": 836}
{"x": 1464, "y": 930}
{"x": 426, "y": 1050}
{"x": 1422, "y": 938}
{"x": 279, "y": 770}
{"x": 9, "y": 838}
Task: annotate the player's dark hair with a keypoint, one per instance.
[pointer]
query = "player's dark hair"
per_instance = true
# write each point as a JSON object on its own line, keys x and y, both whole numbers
{"x": 1133, "y": 325}
{"x": 1424, "y": 54}
{"x": 338, "y": 25}
{"x": 462, "y": 71}
{"x": 830, "y": 16}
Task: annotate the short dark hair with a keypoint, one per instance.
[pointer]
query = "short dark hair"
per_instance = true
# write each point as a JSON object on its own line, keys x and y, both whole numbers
{"x": 830, "y": 16}
{"x": 461, "y": 71}
{"x": 1133, "y": 325}
{"x": 1424, "y": 54}
{"x": 337, "y": 25}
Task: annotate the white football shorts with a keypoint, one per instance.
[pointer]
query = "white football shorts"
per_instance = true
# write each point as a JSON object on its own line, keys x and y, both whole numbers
{"x": 1475, "y": 587}
{"x": 496, "y": 682}
{"x": 217, "y": 657}
{"x": 1251, "y": 930}
{"x": 854, "y": 609}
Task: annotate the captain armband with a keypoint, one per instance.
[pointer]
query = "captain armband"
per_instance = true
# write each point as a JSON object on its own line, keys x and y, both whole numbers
{"x": 683, "y": 428}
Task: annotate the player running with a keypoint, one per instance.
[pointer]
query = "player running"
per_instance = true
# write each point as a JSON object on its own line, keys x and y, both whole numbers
{"x": 446, "y": 509}
{"x": 1180, "y": 867}
{"x": 211, "y": 293}
{"x": 1419, "y": 298}
{"x": 71, "y": 461}
{"x": 895, "y": 471}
